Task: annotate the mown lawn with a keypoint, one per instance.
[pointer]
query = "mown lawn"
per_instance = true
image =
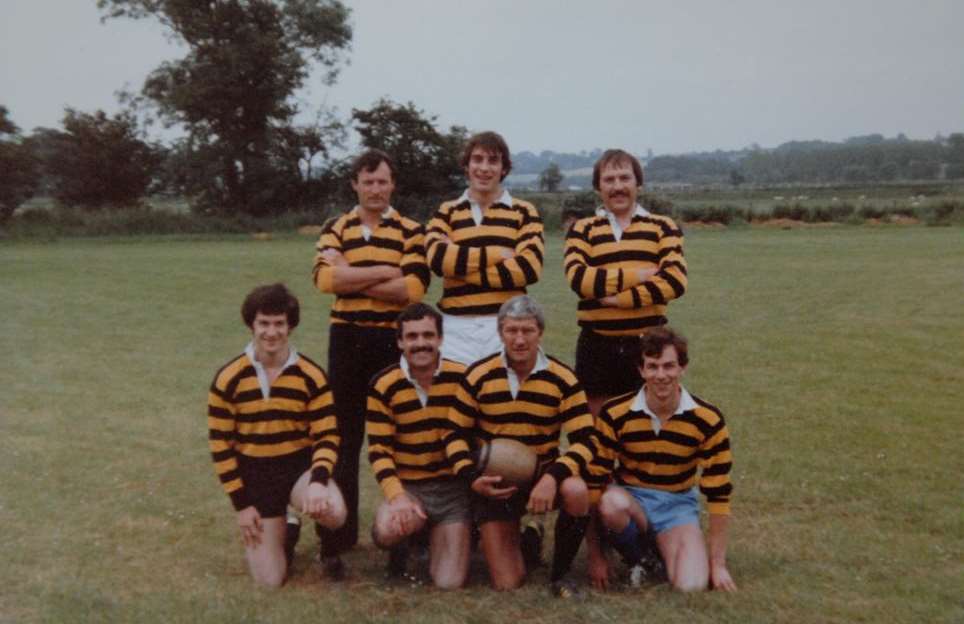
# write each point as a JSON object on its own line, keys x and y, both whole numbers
{"x": 837, "y": 355}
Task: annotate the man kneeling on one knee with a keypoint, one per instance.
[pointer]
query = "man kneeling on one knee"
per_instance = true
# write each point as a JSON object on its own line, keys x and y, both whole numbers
{"x": 408, "y": 425}
{"x": 273, "y": 436}
{"x": 657, "y": 443}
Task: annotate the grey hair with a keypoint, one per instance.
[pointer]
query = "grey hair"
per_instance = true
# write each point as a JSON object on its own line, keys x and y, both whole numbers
{"x": 522, "y": 306}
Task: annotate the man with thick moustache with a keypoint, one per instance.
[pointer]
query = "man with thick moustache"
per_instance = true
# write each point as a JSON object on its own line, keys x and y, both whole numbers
{"x": 272, "y": 435}
{"x": 626, "y": 264}
{"x": 659, "y": 444}
{"x": 523, "y": 394}
{"x": 408, "y": 429}
{"x": 487, "y": 246}
{"x": 373, "y": 260}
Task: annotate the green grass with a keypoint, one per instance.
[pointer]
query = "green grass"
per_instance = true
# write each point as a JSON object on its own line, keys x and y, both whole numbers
{"x": 836, "y": 354}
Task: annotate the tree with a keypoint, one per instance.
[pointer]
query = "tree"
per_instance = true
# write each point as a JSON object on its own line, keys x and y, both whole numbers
{"x": 550, "y": 178}
{"x": 233, "y": 91}
{"x": 736, "y": 178}
{"x": 99, "y": 160}
{"x": 427, "y": 160}
{"x": 19, "y": 171}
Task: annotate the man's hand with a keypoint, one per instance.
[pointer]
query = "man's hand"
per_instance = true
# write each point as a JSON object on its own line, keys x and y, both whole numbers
{"x": 598, "y": 569}
{"x": 406, "y": 512}
{"x": 487, "y": 486}
{"x": 720, "y": 578}
{"x": 542, "y": 495}
{"x": 612, "y": 301}
{"x": 333, "y": 257}
{"x": 317, "y": 501}
{"x": 249, "y": 521}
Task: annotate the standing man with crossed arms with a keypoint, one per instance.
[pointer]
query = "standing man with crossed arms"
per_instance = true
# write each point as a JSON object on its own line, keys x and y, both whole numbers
{"x": 373, "y": 260}
{"x": 626, "y": 264}
{"x": 487, "y": 246}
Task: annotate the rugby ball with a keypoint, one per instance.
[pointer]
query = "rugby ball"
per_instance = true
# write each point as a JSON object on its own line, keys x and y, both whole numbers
{"x": 507, "y": 458}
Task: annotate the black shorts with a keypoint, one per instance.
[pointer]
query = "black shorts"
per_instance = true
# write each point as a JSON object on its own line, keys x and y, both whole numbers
{"x": 269, "y": 481}
{"x": 607, "y": 366}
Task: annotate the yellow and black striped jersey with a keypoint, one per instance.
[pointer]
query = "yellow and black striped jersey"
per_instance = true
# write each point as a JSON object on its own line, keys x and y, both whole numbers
{"x": 406, "y": 440}
{"x": 692, "y": 446}
{"x": 598, "y": 266}
{"x": 548, "y": 401}
{"x": 397, "y": 241}
{"x": 298, "y": 414}
{"x": 477, "y": 280}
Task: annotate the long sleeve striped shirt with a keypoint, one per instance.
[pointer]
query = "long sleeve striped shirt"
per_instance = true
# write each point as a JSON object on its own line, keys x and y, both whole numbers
{"x": 692, "y": 447}
{"x": 598, "y": 265}
{"x": 409, "y": 440}
{"x": 548, "y": 401}
{"x": 476, "y": 278}
{"x": 296, "y": 413}
{"x": 397, "y": 241}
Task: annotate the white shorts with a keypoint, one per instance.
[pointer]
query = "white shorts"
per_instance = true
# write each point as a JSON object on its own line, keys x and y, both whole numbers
{"x": 468, "y": 339}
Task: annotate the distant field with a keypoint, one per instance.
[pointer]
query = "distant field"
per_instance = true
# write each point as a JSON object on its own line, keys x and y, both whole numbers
{"x": 836, "y": 354}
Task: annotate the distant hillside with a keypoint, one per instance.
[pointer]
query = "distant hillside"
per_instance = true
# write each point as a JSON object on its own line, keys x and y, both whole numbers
{"x": 858, "y": 159}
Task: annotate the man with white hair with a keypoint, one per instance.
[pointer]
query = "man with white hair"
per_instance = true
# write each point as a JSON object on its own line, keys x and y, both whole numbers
{"x": 523, "y": 394}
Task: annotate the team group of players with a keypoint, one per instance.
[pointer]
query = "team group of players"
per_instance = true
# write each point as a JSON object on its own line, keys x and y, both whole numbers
{"x": 428, "y": 384}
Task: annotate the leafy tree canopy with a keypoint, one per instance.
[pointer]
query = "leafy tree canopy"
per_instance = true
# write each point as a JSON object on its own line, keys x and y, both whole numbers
{"x": 234, "y": 89}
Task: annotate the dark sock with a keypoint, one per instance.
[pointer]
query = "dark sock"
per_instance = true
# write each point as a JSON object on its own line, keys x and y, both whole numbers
{"x": 628, "y": 543}
{"x": 568, "y": 537}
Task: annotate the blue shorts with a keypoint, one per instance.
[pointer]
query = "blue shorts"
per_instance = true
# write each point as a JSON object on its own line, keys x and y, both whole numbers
{"x": 664, "y": 510}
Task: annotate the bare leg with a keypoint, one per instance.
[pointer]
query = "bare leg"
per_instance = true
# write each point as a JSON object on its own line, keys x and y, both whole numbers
{"x": 450, "y": 553}
{"x": 500, "y": 545}
{"x": 684, "y": 552}
{"x": 266, "y": 561}
{"x": 337, "y": 511}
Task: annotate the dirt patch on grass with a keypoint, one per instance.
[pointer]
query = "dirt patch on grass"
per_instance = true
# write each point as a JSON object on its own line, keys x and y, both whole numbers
{"x": 310, "y": 230}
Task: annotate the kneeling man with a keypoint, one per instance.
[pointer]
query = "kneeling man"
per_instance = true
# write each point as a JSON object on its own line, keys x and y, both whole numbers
{"x": 659, "y": 443}
{"x": 272, "y": 434}
{"x": 522, "y": 394}
{"x": 408, "y": 427}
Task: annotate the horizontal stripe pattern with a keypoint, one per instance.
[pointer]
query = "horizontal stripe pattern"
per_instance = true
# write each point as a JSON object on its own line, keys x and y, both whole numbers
{"x": 598, "y": 266}
{"x": 397, "y": 241}
{"x": 549, "y": 401}
{"x": 476, "y": 278}
{"x": 299, "y": 414}
{"x": 408, "y": 441}
{"x": 691, "y": 447}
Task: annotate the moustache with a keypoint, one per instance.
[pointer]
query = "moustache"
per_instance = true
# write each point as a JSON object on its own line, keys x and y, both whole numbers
{"x": 619, "y": 194}
{"x": 423, "y": 350}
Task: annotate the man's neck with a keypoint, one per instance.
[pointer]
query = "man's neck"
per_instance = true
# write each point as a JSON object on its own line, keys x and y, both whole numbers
{"x": 624, "y": 218}
{"x": 663, "y": 408}
{"x": 369, "y": 216}
{"x": 485, "y": 199}
{"x": 522, "y": 368}
{"x": 272, "y": 362}
{"x": 424, "y": 375}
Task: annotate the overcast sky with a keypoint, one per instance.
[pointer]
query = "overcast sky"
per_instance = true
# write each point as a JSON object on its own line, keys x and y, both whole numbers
{"x": 567, "y": 76}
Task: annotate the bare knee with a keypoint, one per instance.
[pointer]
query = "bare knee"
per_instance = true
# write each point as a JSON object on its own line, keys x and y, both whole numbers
{"x": 270, "y": 579}
{"x": 575, "y": 496}
{"x": 614, "y": 510}
{"x": 690, "y": 582}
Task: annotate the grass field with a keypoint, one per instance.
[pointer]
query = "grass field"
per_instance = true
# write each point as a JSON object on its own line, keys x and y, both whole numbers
{"x": 837, "y": 355}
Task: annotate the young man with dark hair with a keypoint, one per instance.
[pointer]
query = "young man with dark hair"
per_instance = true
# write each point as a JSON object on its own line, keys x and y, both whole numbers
{"x": 487, "y": 247}
{"x": 521, "y": 393}
{"x": 408, "y": 428}
{"x": 658, "y": 444}
{"x": 626, "y": 264}
{"x": 373, "y": 260}
{"x": 273, "y": 436}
